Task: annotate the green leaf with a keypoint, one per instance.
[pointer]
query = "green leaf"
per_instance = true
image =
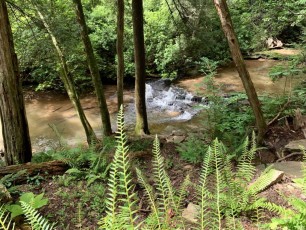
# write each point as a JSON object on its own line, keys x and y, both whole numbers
{"x": 35, "y": 201}
{"x": 15, "y": 210}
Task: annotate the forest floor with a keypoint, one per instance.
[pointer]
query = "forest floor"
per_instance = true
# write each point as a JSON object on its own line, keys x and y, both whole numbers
{"x": 74, "y": 205}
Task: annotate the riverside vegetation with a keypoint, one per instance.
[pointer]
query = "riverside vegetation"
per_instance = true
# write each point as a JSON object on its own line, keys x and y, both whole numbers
{"x": 224, "y": 192}
{"x": 110, "y": 185}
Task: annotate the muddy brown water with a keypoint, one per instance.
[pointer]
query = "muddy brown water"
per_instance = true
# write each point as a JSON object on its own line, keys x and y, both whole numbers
{"x": 47, "y": 108}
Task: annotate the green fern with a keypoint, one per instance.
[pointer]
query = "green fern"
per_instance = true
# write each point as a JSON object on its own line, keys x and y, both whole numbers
{"x": 5, "y": 221}
{"x": 159, "y": 178}
{"x": 34, "y": 218}
{"x": 183, "y": 191}
{"x": 224, "y": 191}
{"x": 204, "y": 193}
{"x": 166, "y": 207}
{"x": 121, "y": 201}
{"x": 9, "y": 181}
{"x": 151, "y": 196}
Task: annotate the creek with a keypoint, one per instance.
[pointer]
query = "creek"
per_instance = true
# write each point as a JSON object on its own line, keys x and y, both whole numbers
{"x": 169, "y": 106}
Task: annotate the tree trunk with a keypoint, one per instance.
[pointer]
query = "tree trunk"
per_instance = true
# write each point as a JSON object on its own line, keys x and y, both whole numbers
{"x": 140, "y": 72}
{"x": 120, "y": 56}
{"x": 32, "y": 169}
{"x": 16, "y": 137}
{"x": 229, "y": 32}
{"x": 69, "y": 84}
{"x": 94, "y": 70}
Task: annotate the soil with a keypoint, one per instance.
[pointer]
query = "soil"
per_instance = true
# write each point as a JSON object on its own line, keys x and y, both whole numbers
{"x": 71, "y": 203}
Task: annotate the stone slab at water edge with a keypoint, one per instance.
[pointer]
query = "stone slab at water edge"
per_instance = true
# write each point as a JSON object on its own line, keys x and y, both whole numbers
{"x": 292, "y": 169}
{"x": 296, "y": 145}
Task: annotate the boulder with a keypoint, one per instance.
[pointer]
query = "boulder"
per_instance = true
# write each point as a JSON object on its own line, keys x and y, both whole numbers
{"x": 172, "y": 130}
{"x": 5, "y": 196}
{"x": 274, "y": 43}
{"x": 175, "y": 139}
{"x": 191, "y": 213}
{"x": 296, "y": 145}
{"x": 292, "y": 169}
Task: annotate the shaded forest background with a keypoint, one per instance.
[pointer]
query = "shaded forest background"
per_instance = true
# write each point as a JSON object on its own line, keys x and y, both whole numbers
{"x": 178, "y": 35}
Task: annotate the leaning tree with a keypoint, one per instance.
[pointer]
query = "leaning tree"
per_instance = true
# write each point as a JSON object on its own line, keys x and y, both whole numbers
{"x": 93, "y": 67}
{"x": 16, "y": 137}
{"x": 229, "y": 32}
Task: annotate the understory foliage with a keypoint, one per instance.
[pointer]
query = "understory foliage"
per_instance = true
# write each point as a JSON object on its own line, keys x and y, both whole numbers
{"x": 121, "y": 201}
{"x": 166, "y": 204}
{"x": 224, "y": 191}
{"x": 5, "y": 220}
{"x": 85, "y": 163}
{"x": 27, "y": 206}
{"x": 34, "y": 218}
{"x": 122, "y": 211}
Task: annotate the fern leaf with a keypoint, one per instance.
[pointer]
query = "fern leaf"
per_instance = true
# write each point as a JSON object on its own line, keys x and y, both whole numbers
{"x": 121, "y": 200}
{"x": 277, "y": 209}
{"x": 217, "y": 149}
{"x": 246, "y": 169}
{"x": 37, "y": 221}
{"x": 159, "y": 177}
{"x": 5, "y": 221}
{"x": 263, "y": 181}
{"x": 204, "y": 193}
{"x": 151, "y": 196}
{"x": 183, "y": 191}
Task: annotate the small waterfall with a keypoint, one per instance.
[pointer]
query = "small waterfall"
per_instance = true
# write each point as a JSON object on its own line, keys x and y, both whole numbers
{"x": 171, "y": 101}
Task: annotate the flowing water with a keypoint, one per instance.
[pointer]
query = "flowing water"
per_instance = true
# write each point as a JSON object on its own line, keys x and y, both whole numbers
{"x": 167, "y": 105}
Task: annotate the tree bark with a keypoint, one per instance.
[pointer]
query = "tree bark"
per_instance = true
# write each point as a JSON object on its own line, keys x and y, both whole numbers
{"x": 32, "y": 169}
{"x": 229, "y": 32}
{"x": 16, "y": 137}
{"x": 94, "y": 70}
{"x": 120, "y": 56}
{"x": 140, "y": 72}
{"x": 69, "y": 84}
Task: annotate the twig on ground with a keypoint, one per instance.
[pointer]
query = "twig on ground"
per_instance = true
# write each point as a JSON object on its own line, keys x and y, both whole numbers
{"x": 290, "y": 155}
{"x": 279, "y": 113}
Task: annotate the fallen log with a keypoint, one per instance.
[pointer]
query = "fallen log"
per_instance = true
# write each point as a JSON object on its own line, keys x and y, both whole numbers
{"x": 49, "y": 168}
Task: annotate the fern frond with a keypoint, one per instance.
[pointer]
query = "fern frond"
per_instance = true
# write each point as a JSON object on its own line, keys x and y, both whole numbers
{"x": 5, "y": 221}
{"x": 183, "y": 191}
{"x": 217, "y": 149}
{"x": 111, "y": 199}
{"x": 263, "y": 181}
{"x": 159, "y": 177}
{"x": 151, "y": 197}
{"x": 277, "y": 209}
{"x": 203, "y": 190}
{"x": 121, "y": 197}
{"x": 34, "y": 218}
{"x": 171, "y": 193}
{"x": 246, "y": 169}
{"x": 299, "y": 205}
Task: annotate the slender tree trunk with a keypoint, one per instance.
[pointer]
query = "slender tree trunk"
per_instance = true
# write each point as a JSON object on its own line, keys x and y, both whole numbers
{"x": 94, "y": 70}
{"x": 120, "y": 56}
{"x": 229, "y": 32}
{"x": 16, "y": 137}
{"x": 69, "y": 84}
{"x": 140, "y": 72}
